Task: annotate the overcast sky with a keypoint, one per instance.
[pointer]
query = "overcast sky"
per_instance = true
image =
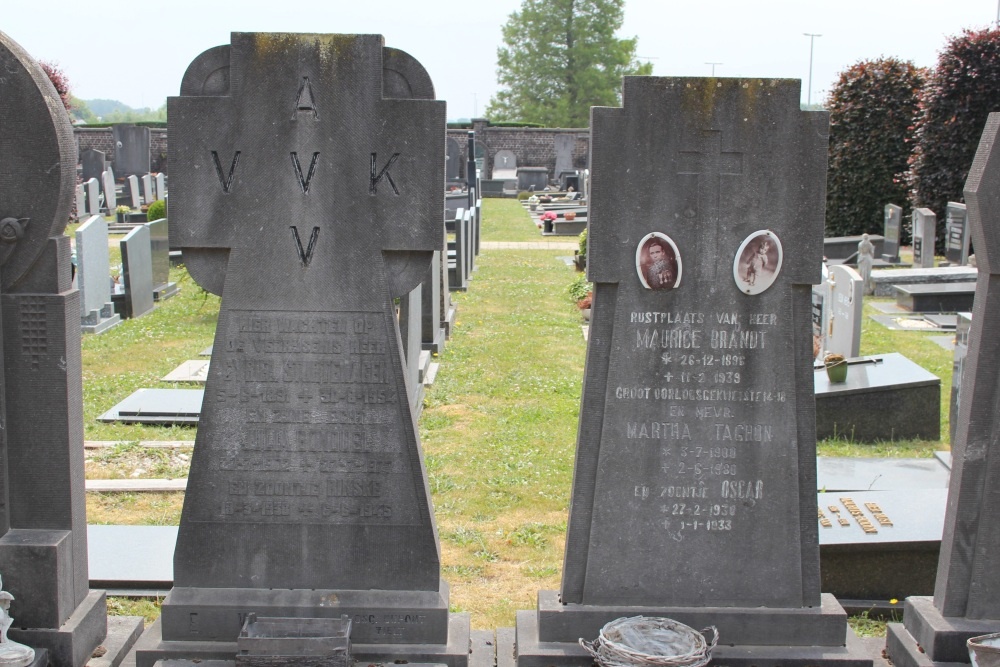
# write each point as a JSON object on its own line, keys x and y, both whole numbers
{"x": 136, "y": 52}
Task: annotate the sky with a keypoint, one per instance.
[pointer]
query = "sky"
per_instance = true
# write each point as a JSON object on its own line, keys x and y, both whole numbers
{"x": 137, "y": 52}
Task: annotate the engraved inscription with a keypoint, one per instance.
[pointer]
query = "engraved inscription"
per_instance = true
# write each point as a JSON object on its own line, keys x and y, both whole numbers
{"x": 34, "y": 336}
{"x": 305, "y": 256}
{"x": 304, "y": 181}
{"x": 226, "y": 180}
{"x": 377, "y": 176}
{"x": 305, "y": 101}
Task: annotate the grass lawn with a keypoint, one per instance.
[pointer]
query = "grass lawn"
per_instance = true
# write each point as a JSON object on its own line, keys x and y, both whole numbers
{"x": 498, "y": 427}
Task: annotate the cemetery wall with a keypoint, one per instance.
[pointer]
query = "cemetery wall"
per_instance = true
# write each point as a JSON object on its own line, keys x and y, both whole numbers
{"x": 100, "y": 138}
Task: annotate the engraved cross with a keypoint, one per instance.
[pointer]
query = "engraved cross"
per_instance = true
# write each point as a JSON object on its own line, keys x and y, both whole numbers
{"x": 710, "y": 164}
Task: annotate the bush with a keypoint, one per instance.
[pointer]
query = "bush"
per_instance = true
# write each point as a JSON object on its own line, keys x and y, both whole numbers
{"x": 583, "y": 243}
{"x": 580, "y": 288}
{"x": 522, "y": 195}
{"x": 960, "y": 93}
{"x": 156, "y": 210}
{"x": 872, "y": 106}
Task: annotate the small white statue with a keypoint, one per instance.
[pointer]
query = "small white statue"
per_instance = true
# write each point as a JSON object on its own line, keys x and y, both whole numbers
{"x": 866, "y": 258}
{"x": 12, "y": 654}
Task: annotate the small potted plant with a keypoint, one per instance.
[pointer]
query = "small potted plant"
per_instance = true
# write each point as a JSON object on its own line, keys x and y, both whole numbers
{"x": 547, "y": 219}
{"x": 836, "y": 367}
{"x": 582, "y": 293}
{"x": 122, "y": 212}
{"x": 581, "y": 255}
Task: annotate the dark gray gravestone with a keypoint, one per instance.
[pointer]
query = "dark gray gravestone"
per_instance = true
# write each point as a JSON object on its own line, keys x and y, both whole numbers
{"x": 43, "y": 540}
{"x": 159, "y": 247}
{"x": 892, "y": 232}
{"x": 956, "y": 230}
{"x": 565, "y": 143}
{"x": 966, "y": 598}
{"x": 92, "y": 163}
{"x": 432, "y": 333}
{"x": 696, "y": 446}
{"x": 137, "y": 273}
{"x": 532, "y": 178}
{"x": 131, "y": 149}
{"x": 936, "y": 297}
{"x": 924, "y": 230}
{"x": 453, "y": 161}
{"x": 962, "y": 329}
{"x": 409, "y": 330}
{"x": 307, "y": 495}
{"x": 92, "y": 272}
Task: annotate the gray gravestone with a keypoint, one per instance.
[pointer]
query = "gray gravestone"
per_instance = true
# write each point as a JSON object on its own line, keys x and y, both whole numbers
{"x": 348, "y": 132}
{"x": 160, "y": 182}
{"x": 532, "y": 178}
{"x": 409, "y": 331}
{"x": 131, "y": 149}
{"x": 108, "y": 186}
{"x": 924, "y": 230}
{"x": 147, "y": 189}
{"x": 694, "y": 488}
{"x": 132, "y": 191}
{"x": 93, "y": 197}
{"x": 892, "y": 231}
{"x": 453, "y": 161}
{"x": 43, "y": 540}
{"x": 81, "y": 201}
{"x": 956, "y": 230}
{"x": 137, "y": 272}
{"x": 565, "y": 143}
{"x": 819, "y": 316}
{"x": 505, "y": 165}
{"x": 962, "y": 329}
{"x": 430, "y": 311}
{"x": 159, "y": 244}
{"x": 92, "y": 163}
{"x": 966, "y": 598}
{"x": 844, "y": 327}
{"x": 96, "y": 310}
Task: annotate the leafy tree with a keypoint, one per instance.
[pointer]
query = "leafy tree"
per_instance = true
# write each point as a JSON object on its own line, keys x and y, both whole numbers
{"x": 559, "y": 58}
{"x": 960, "y": 93}
{"x": 872, "y": 106}
{"x": 59, "y": 80}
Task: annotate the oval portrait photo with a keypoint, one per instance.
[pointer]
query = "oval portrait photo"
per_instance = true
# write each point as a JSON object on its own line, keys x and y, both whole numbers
{"x": 658, "y": 262}
{"x": 758, "y": 262}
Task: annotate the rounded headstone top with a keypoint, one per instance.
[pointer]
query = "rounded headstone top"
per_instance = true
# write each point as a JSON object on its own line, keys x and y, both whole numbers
{"x": 38, "y": 170}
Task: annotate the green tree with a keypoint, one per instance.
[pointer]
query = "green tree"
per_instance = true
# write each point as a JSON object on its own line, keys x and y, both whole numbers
{"x": 559, "y": 58}
{"x": 872, "y": 106}
{"x": 960, "y": 93}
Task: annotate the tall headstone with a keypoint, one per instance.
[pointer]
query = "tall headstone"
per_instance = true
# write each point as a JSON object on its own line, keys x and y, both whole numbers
{"x": 966, "y": 598}
{"x": 844, "y": 324}
{"x": 957, "y": 237}
{"x": 924, "y": 230}
{"x": 131, "y": 149}
{"x": 92, "y": 163}
{"x": 132, "y": 193}
{"x": 307, "y": 495}
{"x": 696, "y": 445}
{"x": 81, "y": 201}
{"x": 137, "y": 273}
{"x": 93, "y": 188}
{"x": 432, "y": 332}
{"x": 505, "y": 165}
{"x": 564, "y": 145}
{"x": 108, "y": 187}
{"x": 892, "y": 231}
{"x": 96, "y": 310}
{"x": 148, "y": 194}
{"x": 453, "y": 161}
{"x": 43, "y": 527}
{"x": 159, "y": 248}
{"x": 818, "y": 315}
{"x": 160, "y": 181}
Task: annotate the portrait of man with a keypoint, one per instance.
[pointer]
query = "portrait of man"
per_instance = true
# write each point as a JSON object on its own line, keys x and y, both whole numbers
{"x": 658, "y": 262}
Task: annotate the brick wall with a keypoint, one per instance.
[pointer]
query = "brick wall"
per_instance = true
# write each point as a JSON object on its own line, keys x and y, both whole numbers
{"x": 100, "y": 138}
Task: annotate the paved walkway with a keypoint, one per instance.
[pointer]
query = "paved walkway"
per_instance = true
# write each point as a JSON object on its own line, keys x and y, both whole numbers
{"x": 529, "y": 245}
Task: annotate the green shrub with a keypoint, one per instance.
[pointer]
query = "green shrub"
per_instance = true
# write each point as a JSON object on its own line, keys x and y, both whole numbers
{"x": 960, "y": 93}
{"x": 583, "y": 243}
{"x": 579, "y": 288}
{"x": 522, "y": 195}
{"x": 156, "y": 210}
{"x": 872, "y": 106}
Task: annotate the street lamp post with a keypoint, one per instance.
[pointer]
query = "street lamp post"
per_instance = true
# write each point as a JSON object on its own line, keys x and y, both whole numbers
{"x": 812, "y": 38}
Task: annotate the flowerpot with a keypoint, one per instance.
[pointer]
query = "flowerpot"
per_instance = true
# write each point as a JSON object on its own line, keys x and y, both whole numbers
{"x": 586, "y": 314}
{"x": 837, "y": 372}
{"x": 121, "y": 218}
{"x": 984, "y": 651}
{"x": 547, "y": 226}
{"x": 532, "y": 207}
{"x": 570, "y": 216}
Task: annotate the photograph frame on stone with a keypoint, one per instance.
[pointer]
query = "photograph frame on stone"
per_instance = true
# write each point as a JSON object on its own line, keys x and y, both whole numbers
{"x": 669, "y": 275}
{"x": 757, "y": 264}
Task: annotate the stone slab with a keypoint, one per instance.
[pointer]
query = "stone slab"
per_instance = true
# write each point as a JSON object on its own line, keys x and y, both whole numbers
{"x": 136, "y": 485}
{"x": 482, "y": 652}
{"x": 886, "y": 279}
{"x": 193, "y": 370}
{"x": 123, "y": 633}
{"x": 879, "y": 474}
{"x": 904, "y": 651}
{"x": 943, "y": 298}
{"x": 157, "y": 406}
{"x": 72, "y": 642}
{"x": 506, "y": 649}
{"x": 891, "y": 399}
{"x": 844, "y": 247}
{"x": 909, "y": 323}
{"x": 131, "y": 556}
{"x": 207, "y": 352}
{"x": 533, "y": 653}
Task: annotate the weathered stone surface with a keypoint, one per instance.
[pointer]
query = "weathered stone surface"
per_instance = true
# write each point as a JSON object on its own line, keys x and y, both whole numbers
{"x": 93, "y": 276}
{"x": 956, "y": 234}
{"x": 892, "y": 231}
{"x": 131, "y": 149}
{"x": 924, "y": 232}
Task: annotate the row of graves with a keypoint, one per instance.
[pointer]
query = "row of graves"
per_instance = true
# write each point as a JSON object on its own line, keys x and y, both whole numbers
{"x": 308, "y": 532}
{"x": 126, "y": 199}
